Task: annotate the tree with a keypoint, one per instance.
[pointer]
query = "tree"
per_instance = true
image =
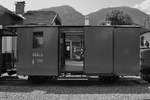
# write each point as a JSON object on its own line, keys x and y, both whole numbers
{"x": 117, "y": 17}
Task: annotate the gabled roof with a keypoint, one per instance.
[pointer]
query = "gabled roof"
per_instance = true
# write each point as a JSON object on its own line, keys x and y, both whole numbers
{"x": 41, "y": 17}
{"x": 4, "y": 10}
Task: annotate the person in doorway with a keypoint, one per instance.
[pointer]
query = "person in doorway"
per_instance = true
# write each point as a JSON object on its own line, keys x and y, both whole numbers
{"x": 147, "y": 44}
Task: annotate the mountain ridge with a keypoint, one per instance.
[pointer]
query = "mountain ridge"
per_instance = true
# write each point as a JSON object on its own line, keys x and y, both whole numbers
{"x": 137, "y": 15}
{"x": 70, "y": 16}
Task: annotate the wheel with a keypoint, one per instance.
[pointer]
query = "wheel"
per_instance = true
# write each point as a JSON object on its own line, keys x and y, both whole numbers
{"x": 38, "y": 79}
{"x": 145, "y": 77}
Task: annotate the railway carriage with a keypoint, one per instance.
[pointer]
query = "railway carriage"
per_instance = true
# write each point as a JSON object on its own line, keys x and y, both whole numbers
{"x": 45, "y": 51}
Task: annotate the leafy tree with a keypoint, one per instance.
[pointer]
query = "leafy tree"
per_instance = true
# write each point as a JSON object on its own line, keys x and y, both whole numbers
{"x": 118, "y": 17}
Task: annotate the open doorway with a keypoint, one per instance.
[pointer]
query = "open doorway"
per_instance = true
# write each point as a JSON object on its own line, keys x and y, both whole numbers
{"x": 72, "y": 54}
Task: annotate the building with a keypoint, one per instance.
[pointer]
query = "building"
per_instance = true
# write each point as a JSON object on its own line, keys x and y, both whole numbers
{"x": 37, "y": 17}
{"x": 41, "y": 18}
{"x": 9, "y": 18}
{"x": 7, "y": 46}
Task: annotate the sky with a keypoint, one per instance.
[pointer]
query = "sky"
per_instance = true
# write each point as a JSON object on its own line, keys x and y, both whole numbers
{"x": 83, "y": 6}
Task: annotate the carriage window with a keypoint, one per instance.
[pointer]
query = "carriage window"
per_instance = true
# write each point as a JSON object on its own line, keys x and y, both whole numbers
{"x": 37, "y": 40}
